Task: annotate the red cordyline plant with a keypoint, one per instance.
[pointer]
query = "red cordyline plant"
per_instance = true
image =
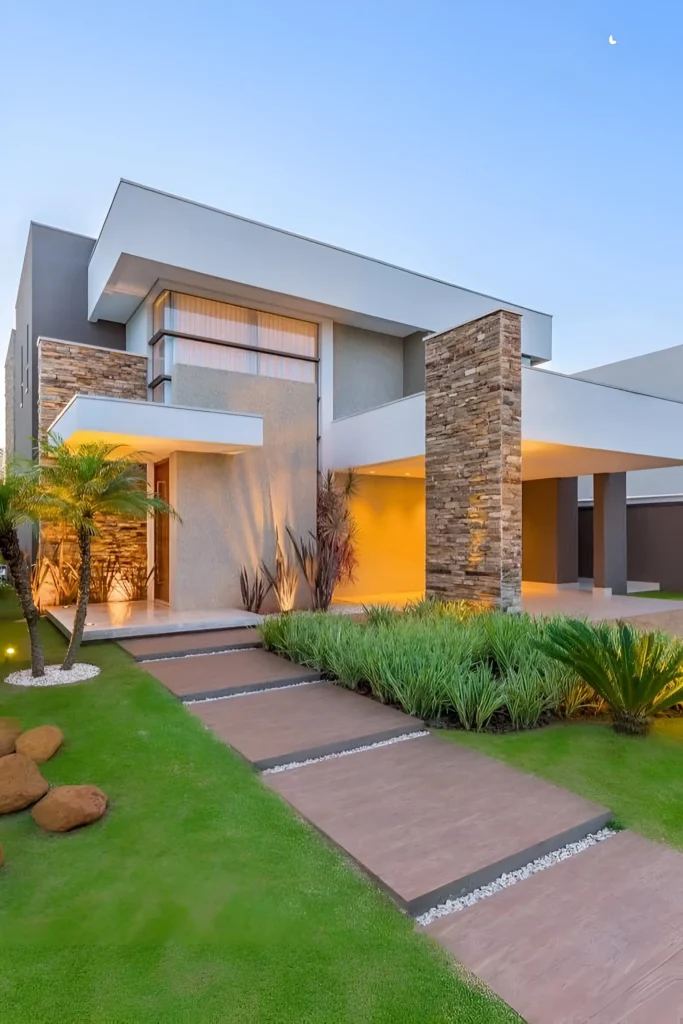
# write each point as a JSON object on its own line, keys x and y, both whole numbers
{"x": 329, "y": 556}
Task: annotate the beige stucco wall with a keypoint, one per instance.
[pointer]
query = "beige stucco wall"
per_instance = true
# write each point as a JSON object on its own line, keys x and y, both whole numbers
{"x": 231, "y": 504}
{"x": 390, "y": 517}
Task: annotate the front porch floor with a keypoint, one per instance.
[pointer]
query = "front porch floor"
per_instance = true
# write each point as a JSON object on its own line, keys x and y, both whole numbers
{"x": 117, "y": 620}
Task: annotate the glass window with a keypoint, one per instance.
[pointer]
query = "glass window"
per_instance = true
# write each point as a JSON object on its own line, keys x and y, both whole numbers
{"x": 161, "y": 393}
{"x": 159, "y": 358}
{"x": 215, "y": 357}
{"x": 161, "y": 305}
{"x": 223, "y": 321}
{"x": 240, "y": 340}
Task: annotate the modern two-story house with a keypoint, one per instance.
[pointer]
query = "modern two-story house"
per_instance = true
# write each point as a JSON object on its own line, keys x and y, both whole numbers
{"x": 242, "y": 360}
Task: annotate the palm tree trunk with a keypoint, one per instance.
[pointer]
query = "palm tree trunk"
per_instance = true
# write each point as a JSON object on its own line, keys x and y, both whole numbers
{"x": 83, "y": 598}
{"x": 21, "y": 579}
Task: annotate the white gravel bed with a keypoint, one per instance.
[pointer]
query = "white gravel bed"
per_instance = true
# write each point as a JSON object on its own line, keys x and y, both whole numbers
{"x": 197, "y": 654}
{"x": 250, "y": 693}
{"x": 54, "y": 675}
{"x": 506, "y": 880}
{"x": 345, "y": 753}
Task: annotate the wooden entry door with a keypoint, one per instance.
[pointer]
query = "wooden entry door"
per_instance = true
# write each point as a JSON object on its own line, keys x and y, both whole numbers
{"x": 161, "y": 535}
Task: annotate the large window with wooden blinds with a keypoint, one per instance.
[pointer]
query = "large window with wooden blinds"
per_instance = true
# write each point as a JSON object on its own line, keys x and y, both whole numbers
{"x": 223, "y": 336}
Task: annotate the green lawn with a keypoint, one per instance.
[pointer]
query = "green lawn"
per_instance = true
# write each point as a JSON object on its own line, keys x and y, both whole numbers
{"x": 662, "y": 595}
{"x": 199, "y": 897}
{"x": 639, "y": 779}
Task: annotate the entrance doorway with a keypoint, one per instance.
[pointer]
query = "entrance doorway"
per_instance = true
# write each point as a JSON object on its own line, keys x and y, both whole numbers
{"x": 161, "y": 535}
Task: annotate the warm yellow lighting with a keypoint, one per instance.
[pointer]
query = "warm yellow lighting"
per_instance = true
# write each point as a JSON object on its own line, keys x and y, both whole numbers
{"x": 9, "y": 650}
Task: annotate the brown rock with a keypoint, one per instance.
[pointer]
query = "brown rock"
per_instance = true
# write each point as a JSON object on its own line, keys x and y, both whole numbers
{"x": 40, "y": 744}
{"x": 10, "y": 728}
{"x": 68, "y": 807}
{"x": 21, "y": 784}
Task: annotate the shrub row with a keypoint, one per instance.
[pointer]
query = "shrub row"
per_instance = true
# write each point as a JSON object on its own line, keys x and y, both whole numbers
{"x": 438, "y": 662}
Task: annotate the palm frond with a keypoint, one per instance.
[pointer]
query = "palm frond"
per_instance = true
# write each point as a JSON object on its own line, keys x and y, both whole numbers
{"x": 636, "y": 674}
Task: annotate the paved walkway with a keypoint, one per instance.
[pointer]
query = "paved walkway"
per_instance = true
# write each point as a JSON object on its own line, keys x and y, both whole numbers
{"x": 596, "y": 937}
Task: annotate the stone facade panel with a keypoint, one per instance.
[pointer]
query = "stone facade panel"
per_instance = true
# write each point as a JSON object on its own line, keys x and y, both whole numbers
{"x": 120, "y": 551}
{"x": 474, "y": 461}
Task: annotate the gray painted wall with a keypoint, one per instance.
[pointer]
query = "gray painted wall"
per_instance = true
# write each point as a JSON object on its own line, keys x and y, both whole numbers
{"x": 414, "y": 363}
{"x": 230, "y": 505}
{"x": 52, "y": 300}
{"x": 655, "y": 373}
{"x": 368, "y": 369}
{"x": 550, "y": 530}
{"x": 10, "y": 385}
{"x": 25, "y": 423}
{"x": 654, "y": 544}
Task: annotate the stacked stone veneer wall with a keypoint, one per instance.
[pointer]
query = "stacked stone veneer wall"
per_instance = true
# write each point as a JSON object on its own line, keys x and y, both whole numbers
{"x": 66, "y": 369}
{"x": 474, "y": 461}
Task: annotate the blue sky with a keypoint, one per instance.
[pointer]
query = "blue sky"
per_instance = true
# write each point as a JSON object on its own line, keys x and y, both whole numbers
{"x": 500, "y": 144}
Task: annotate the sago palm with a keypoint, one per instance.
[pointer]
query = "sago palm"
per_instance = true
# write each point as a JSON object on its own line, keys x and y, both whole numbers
{"x": 636, "y": 674}
{"x": 83, "y": 485}
{"x": 19, "y": 504}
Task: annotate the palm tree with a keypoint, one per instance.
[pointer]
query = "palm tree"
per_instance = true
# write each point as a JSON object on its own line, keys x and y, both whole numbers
{"x": 82, "y": 486}
{"x": 19, "y": 504}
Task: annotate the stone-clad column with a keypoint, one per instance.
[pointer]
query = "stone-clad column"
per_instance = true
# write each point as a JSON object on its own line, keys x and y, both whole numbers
{"x": 474, "y": 461}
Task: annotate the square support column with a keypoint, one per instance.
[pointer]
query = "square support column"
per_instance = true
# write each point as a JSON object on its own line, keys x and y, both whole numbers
{"x": 609, "y": 532}
{"x": 550, "y": 530}
{"x": 473, "y": 461}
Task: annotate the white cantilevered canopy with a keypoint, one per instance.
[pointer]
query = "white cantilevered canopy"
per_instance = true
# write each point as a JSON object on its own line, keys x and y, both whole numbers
{"x": 570, "y": 427}
{"x": 156, "y": 429}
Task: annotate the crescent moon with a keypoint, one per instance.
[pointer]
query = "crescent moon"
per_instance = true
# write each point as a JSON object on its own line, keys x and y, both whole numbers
{"x": 612, "y": 41}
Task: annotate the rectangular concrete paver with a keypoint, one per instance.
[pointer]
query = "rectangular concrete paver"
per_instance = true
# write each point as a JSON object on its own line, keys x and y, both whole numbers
{"x": 598, "y": 937}
{"x": 177, "y": 644}
{"x": 430, "y": 819}
{"x": 281, "y": 726}
{"x": 212, "y": 675}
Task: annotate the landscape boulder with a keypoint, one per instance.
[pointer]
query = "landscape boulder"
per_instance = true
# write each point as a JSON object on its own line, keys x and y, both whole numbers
{"x": 40, "y": 744}
{"x": 69, "y": 807}
{"x": 21, "y": 783}
{"x": 10, "y": 728}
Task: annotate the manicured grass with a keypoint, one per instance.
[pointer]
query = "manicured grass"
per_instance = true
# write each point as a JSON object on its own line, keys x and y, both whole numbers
{"x": 662, "y": 595}
{"x": 639, "y": 779}
{"x": 199, "y": 897}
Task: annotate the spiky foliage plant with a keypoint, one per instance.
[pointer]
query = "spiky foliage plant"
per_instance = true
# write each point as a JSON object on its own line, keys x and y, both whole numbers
{"x": 284, "y": 580}
{"x": 636, "y": 674}
{"x": 253, "y": 590}
{"x": 335, "y": 525}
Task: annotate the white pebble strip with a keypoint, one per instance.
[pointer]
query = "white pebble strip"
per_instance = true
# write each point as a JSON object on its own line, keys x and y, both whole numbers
{"x": 54, "y": 675}
{"x": 250, "y": 693}
{"x": 345, "y": 753}
{"x": 506, "y": 880}
{"x": 195, "y": 654}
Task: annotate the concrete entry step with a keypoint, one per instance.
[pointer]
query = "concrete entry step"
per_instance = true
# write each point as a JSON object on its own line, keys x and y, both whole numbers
{"x": 431, "y": 820}
{"x": 177, "y": 645}
{"x": 596, "y": 938}
{"x": 284, "y": 726}
{"x": 216, "y": 675}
